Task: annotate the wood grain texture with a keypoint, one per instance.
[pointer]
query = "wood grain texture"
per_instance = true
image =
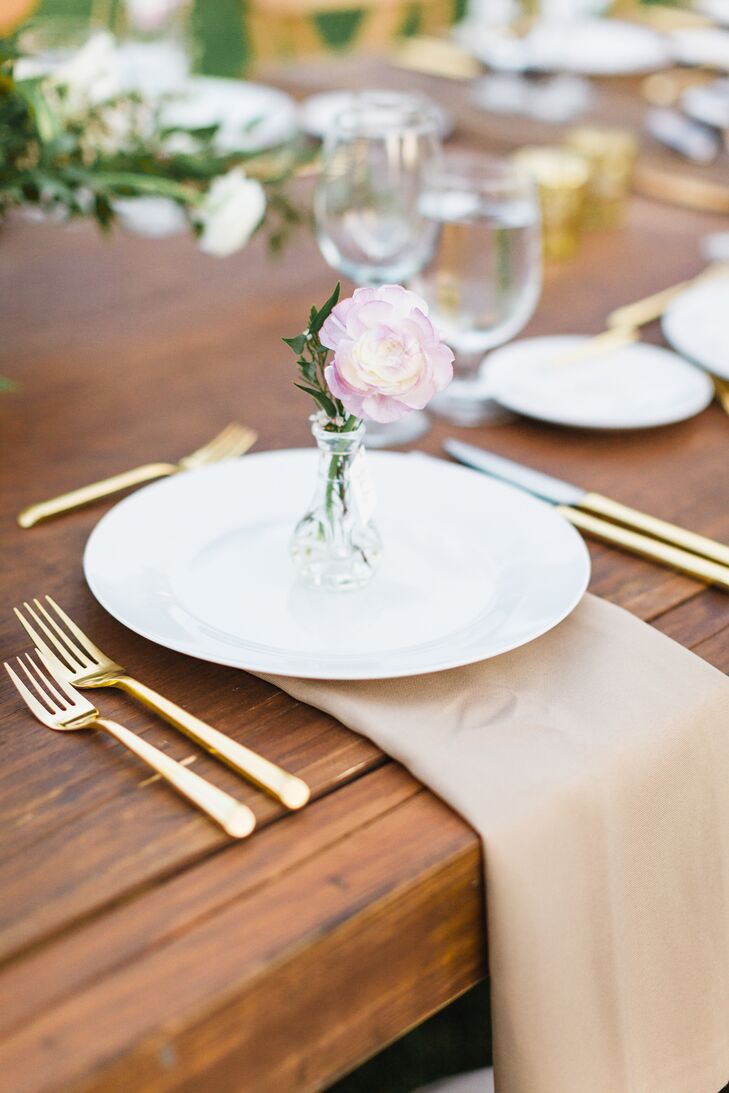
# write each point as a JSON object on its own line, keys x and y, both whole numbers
{"x": 282, "y": 962}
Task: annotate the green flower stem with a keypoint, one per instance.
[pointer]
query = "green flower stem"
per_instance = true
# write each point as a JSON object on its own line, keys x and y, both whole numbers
{"x": 148, "y": 184}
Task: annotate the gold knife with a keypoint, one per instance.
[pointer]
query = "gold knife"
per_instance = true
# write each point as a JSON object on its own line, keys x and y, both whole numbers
{"x": 645, "y": 547}
{"x": 642, "y": 533}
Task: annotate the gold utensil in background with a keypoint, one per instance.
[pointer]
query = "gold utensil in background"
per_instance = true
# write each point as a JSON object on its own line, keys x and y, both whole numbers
{"x": 688, "y": 191}
{"x": 86, "y": 666}
{"x": 594, "y": 347}
{"x": 58, "y": 706}
{"x": 436, "y": 57}
{"x": 721, "y": 387}
{"x": 234, "y": 441}
{"x": 652, "y": 307}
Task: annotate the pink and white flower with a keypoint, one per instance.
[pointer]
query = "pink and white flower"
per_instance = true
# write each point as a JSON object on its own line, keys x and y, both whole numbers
{"x": 388, "y": 356}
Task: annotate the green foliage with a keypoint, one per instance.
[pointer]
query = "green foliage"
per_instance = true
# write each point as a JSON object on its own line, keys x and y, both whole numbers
{"x": 311, "y": 359}
{"x": 75, "y": 163}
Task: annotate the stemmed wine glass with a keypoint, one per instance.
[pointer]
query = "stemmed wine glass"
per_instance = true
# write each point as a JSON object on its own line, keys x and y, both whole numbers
{"x": 483, "y": 281}
{"x": 370, "y": 224}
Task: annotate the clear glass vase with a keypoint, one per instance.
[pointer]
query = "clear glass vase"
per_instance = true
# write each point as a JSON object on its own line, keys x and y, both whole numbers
{"x": 335, "y": 546}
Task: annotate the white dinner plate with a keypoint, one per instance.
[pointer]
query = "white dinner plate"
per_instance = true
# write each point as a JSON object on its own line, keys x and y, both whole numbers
{"x": 472, "y": 568}
{"x": 705, "y": 46}
{"x": 317, "y": 113}
{"x": 708, "y": 103}
{"x": 637, "y": 386}
{"x": 718, "y": 10}
{"x": 585, "y": 47}
{"x": 697, "y": 325}
{"x": 250, "y": 115}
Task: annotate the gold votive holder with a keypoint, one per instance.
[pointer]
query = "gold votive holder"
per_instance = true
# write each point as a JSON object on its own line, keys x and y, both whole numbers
{"x": 562, "y": 179}
{"x": 611, "y": 154}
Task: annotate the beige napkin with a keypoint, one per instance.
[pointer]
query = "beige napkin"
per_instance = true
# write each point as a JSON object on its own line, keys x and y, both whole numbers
{"x": 594, "y": 763}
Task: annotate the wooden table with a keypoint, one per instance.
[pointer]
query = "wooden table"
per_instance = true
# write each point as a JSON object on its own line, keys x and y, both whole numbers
{"x": 141, "y": 949}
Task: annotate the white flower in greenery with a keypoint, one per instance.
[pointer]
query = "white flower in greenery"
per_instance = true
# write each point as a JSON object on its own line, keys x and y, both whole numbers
{"x": 89, "y": 77}
{"x": 230, "y": 212}
{"x": 155, "y": 217}
{"x": 151, "y": 15}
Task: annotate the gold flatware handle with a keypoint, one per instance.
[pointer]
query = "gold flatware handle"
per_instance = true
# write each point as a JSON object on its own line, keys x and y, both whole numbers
{"x": 656, "y": 528}
{"x": 721, "y": 387}
{"x": 436, "y": 57}
{"x": 593, "y": 347}
{"x": 291, "y": 791}
{"x": 689, "y": 191}
{"x": 647, "y": 310}
{"x": 645, "y": 547}
{"x": 652, "y": 307}
{"x": 235, "y": 818}
{"x": 85, "y": 495}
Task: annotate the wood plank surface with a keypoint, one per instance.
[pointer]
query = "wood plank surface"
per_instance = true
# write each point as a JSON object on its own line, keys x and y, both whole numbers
{"x": 139, "y": 948}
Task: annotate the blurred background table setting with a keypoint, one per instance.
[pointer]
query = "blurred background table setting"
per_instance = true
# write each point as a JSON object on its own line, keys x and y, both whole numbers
{"x": 419, "y": 583}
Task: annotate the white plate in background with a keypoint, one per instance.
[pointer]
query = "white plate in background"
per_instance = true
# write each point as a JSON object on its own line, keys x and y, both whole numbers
{"x": 637, "y": 386}
{"x": 317, "y": 113}
{"x": 696, "y": 324}
{"x": 250, "y": 115}
{"x": 586, "y": 47}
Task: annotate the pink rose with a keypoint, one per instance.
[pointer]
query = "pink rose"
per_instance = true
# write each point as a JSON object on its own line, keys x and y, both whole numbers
{"x": 388, "y": 357}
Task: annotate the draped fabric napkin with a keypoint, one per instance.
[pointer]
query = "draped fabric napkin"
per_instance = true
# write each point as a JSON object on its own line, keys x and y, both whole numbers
{"x": 594, "y": 763}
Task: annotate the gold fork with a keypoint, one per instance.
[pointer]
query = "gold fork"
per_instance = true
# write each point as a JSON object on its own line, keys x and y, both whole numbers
{"x": 234, "y": 440}
{"x": 86, "y": 666}
{"x": 58, "y": 706}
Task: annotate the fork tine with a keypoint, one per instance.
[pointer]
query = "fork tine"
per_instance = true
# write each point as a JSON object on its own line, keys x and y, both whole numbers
{"x": 38, "y": 640}
{"x": 239, "y": 444}
{"x": 59, "y": 675}
{"x": 50, "y": 704}
{"x": 60, "y": 701}
{"x": 87, "y": 644}
{"x": 216, "y": 452}
{"x": 208, "y": 450}
{"x": 66, "y": 644}
{"x": 36, "y": 707}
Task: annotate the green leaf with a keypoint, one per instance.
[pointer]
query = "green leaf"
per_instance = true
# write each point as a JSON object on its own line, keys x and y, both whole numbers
{"x": 297, "y": 343}
{"x": 7, "y": 384}
{"x": 323, "y": 314}
{"x": 320, "y": 398}
{"x": 129, "y": 181}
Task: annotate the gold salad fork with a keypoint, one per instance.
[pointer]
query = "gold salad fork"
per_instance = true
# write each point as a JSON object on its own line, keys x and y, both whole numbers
{"x": 234, "y": 440}
{"x": 86, "y": 666}
{"x": 58, "y": 706}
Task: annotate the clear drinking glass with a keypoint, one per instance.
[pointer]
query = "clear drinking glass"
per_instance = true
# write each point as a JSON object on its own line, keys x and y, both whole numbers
{"x": 484, "y": 279}
{"x": 369, "y": 219}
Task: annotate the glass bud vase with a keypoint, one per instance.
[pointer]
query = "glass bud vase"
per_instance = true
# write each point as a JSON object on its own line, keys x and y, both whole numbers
{"x": 335, "y": 546}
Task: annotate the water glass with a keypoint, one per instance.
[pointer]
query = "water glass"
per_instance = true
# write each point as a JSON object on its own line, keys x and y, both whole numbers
{"x": 369, "y": 223}
{"x": 483, "y": 281}
{"x": 369, "y": 219}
